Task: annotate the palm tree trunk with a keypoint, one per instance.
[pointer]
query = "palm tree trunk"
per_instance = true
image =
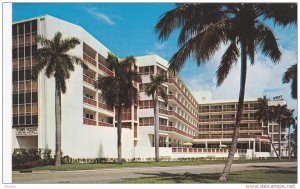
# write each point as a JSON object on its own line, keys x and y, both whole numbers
{"x": 156, "y": 129}
{"x": 289, "y": 142}
{"x": 224, "y": 176}
{"x": 58, "y": 124}
{"x": 279, "y": 140}
{"x": 119, "y": 133}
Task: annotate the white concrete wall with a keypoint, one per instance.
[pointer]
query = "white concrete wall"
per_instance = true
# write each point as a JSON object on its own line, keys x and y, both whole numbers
{"x": 78, "y": 140}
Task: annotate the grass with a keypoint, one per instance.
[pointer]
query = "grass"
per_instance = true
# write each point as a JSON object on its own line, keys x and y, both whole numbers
{"x": 277, "y": 175}
{"x": 89, "y": 166}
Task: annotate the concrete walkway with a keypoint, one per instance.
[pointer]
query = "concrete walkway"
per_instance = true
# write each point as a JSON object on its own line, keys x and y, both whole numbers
{"x": 111, "y": 175}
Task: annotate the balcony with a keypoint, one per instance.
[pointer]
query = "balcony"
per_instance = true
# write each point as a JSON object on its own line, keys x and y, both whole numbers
{"x": 183, "y": 106}
{"x": 89, "y": 101}
{"x": 90, "y": 60}
{"x": 23, "y": 109}
{"x": 105, "y": 107}
{"x": 229, "y": 129}
{"x": 173, "y": 129}
{"x": 105, "y": 124}
{"x": 105, "y": 70}
{"x": 25, "y": 86}
{"x": 88, "y": 80}
{"x": 204, "y": 150}
{"x": 89, "y": 122}
{"x": 181, "y": 90}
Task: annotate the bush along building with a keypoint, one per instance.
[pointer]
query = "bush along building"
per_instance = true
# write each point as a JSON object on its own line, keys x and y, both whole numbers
{"x": 190, "y": 126}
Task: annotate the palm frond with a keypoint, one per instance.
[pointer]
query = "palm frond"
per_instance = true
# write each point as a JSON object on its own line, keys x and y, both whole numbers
{"x": 228, "y": 59}
{"x": 268, "y": 43}
{"x": 68, "y": 44}
{"x": 291, "y": 76}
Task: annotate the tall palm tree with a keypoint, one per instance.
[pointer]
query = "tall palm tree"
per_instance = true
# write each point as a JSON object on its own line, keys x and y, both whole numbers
{"x": 204, "y": 27}
{"x": 293, "y": 139}
{"x": 119, "y": 90}
{"x": 54, "y": 58}
{"x": 264, "y": 115}
{"x": 155, "y": 89}
{"x": 284, "y": 117}
{"x": 291, "y": 76}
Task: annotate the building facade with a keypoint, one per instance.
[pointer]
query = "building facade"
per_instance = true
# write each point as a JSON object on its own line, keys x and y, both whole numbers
{"x": 189, "y": 127}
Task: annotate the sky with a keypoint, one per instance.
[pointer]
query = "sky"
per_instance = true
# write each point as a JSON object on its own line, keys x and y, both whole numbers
{"x": 128, "y": 29}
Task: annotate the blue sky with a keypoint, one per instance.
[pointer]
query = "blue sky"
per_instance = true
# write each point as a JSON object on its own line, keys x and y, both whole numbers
{"x": 128, "y": 29}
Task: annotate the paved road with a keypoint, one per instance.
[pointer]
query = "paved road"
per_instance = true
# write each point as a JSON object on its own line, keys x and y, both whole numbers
{"x": 110, "y": 175}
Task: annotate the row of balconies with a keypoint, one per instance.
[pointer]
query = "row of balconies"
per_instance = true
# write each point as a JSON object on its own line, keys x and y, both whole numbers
{"x": 94, "y": 103}
{"x": 194, "y": 104}
{"x": 98, "y": 65}
{"x": 23, "y": 109}
{"x": 229, "y": 129}
{"x": 25, "y": 86}
{"x": 176, "y": 115}
{"x": 26, "y": 39}
{"x": 94, "y": 123}
{"x": 224, "y": 109}
{"x": 227, "y": 119}
{"x": 230, "y": 136}
{"x": 172, "y": 97}
{"x": 23, "y": 63}
{"x": 206, "y": 150}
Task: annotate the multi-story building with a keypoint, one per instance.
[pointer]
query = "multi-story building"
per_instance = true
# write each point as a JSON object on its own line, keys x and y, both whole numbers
{"x": 188, "y": 128}
{"x": 217, "y": 121}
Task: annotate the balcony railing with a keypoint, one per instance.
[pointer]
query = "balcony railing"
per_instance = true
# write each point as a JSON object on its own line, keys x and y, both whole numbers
{"x": 89, "y": 60}
{"x": 27, "y": 41}
{"x": 230, "y": 136}
{"x": 89, "y": 121}
{"x": 204, "y": 150}
{"x": 229, "y": 129}
{"x": 223, "y": 109}
{"x": 89, "y": 101}
{"x": 181, "y": 90}
{"x": 88, "y": 80}
{"x": 25, "y": 86}
{"x": 105, "y": 69}
{"x": 105, "y": 106}
{"x": 173, "y": 129}
{"x": 183, "y": 106}
{"x": 176, "y": 115}
{"x": 23, "y": 109}
{"x": 105, "y": 124}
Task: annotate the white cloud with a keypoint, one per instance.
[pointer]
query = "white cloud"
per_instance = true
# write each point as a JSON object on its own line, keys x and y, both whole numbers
{"x": 263, "y": 78}
{"x": 100, "y": 16}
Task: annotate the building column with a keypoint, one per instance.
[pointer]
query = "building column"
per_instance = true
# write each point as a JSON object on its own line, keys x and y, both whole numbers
{"x": 249, "y": 143}
{"x": 259, "y": 146}
{"x": 167, "y": 141}
{"x": 253, "y": 149}
{"x": 206, "y": 145}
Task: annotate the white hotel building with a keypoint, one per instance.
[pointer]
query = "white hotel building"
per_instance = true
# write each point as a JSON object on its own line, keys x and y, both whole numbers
{"x": 188, "y": 127}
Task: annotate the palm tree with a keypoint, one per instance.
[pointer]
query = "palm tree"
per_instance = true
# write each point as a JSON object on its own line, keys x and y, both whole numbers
{"x": 291, "y": 76}
{"x": 119, "y": 90}
{"x": 155, "y": 89}
{"x": 264, "y": 115}
{"x": 53, "y": 57}
{"x": 284, "y": 117}
{"x": 293, "y": 139}
{"x": 204, "y": 27}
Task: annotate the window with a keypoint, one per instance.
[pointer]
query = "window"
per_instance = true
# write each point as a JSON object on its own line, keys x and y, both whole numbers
{"x": 21, "y": 52}
{"x": 147, "y": 121}
{"x": 21, "y": 75}
{"x": 15, "y": 98}
{"x": 89, "y": 116}
{"x": 21, "y": 120}
{"x": 34, "y": 26}
{"x": 34, "y": 49}
{"x": 15, "y": 53}
{"x": 28, "y": 120}
{"x": 34, "y": 97}
{"x": 15, "y": 120}
{"x": 21, "y": 99}
{"x": 162, "y": 122}
{"x": 15, "y": 76}
{"x": 21, "y": 29}
{"x": 27, "y": 51}
{"x": 28, "y": 98}
{"x": 28, "y": 74}
{"x": 34, "y": 119}
{"x": 14, "y": 30}
{"x": 27, "y": 27}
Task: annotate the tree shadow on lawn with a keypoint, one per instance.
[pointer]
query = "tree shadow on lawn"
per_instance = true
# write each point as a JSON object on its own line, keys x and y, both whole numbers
{"x": 187, "y": 177}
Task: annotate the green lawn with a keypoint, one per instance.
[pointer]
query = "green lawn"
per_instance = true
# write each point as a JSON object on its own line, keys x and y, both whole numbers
{"x": 86, "y": 166}
{"x": 277, "y": 175}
